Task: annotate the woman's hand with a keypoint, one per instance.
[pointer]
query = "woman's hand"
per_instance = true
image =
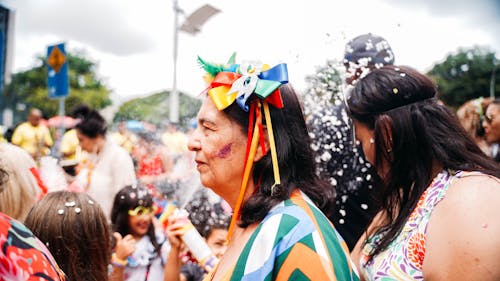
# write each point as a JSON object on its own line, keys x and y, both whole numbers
{"x": 124, "y": 246}
{"x": 175, "y": 230}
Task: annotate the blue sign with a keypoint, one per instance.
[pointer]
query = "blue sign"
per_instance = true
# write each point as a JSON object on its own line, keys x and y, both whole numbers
{"x": 57, "y": 71}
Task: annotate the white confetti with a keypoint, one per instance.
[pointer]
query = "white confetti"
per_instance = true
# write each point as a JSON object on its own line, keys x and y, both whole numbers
{"x": 70, "y": 204}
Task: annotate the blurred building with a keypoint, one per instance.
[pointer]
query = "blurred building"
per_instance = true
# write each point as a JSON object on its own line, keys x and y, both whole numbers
{"x": 7, "y": 19}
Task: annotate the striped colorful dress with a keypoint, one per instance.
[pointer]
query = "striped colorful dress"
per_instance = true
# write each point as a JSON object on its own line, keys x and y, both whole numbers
{"x": 295, "y": 241}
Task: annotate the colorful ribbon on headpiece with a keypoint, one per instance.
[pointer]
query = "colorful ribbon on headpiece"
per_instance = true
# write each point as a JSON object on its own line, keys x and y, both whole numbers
{"x": 228, "y": 87}
{"x": 233, "y": 82}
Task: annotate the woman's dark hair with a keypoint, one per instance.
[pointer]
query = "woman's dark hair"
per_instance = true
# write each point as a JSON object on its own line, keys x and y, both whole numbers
{"x": 91, "y": 124}
{"x": 76, "y": 232}
{"x": 128, "y": 198}
{"x": 414, "y": 134}
{"x": 295, "y": 158}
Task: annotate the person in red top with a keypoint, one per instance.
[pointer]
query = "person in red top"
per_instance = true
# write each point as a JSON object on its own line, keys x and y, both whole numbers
{"x": 153, "y": 162}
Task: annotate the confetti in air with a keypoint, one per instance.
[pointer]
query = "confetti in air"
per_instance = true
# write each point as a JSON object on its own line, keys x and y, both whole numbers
{"x": 338, "y": 160}
{"x": 206, "y": 211}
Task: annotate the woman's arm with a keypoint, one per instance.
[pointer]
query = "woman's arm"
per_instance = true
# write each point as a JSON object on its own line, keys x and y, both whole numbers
{"x": 173, "y": 266}
{"x": 117, "y": 274}
{"x": 124, "y": 247}
{"x": 463, "y": 235}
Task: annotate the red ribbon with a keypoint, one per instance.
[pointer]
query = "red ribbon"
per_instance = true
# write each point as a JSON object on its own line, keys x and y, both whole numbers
{"x": 39, "y": 180}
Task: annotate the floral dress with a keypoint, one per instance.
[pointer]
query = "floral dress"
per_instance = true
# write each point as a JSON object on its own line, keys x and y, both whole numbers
{"x": 23, "y": 256}
{"x": 404, "y": 257}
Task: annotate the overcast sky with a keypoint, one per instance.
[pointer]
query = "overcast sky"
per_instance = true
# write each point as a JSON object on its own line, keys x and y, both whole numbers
{"x": 132, "y": 40}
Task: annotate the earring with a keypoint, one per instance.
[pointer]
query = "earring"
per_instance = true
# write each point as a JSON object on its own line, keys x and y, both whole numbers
{"x": 372, "y": 140}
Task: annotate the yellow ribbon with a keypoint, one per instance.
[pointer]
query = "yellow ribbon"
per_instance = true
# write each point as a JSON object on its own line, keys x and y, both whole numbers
{"x": 272, "y": 146}
{"x": 220, "y": 97}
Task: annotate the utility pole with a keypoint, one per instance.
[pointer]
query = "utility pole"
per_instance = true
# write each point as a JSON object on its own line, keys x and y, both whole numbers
{"x": 191, "y": 25}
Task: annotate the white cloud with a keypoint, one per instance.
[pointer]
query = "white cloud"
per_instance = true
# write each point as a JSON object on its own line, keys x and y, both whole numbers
{"x": 132, "y": 40}
{"x": 100, "y": 24}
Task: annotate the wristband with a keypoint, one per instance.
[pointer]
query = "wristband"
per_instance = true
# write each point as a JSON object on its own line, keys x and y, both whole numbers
{"x": 117, "y": 261}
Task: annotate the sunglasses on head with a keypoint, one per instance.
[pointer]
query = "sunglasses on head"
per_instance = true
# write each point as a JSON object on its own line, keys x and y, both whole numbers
{"x": 141, "y": 210}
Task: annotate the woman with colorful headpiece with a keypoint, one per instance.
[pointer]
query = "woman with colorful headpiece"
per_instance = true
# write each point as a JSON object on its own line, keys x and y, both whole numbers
{"x": 253, "y": 149}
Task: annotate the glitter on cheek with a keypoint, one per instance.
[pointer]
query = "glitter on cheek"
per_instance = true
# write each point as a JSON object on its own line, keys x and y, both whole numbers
{"x": 225, "y": 151}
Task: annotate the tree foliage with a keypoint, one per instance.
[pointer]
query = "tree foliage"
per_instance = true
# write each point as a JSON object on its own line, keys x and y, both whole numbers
{"x": 155, "y": 108}
{"x": 30, "y": 87}
{"x": 465, "y": 75}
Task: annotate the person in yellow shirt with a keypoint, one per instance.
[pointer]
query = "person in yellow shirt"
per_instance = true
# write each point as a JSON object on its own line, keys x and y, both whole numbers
{"x": 32, "y": 136}
{"x": 3, "y": 129}
{"x": 175, "y": 140}
{"x": 70, "y": 147}
{"x": 124, "y": 138}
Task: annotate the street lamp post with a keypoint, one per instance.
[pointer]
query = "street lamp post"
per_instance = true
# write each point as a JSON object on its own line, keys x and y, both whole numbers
{"x": 174, "y": 95}
{"x": 191, "y": 25}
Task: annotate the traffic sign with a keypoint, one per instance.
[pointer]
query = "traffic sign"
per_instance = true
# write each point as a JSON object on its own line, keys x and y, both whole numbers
{"x": 57, "y": 71}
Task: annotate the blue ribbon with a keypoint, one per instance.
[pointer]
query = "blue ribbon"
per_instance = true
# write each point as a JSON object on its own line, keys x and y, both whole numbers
{"x": 277, "y": 73}
{"x": 276, "y": 76}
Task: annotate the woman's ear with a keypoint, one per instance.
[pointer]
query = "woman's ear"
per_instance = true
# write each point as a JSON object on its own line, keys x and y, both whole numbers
{"x": 386, "y": 129}
{"x": 259, "y": 153}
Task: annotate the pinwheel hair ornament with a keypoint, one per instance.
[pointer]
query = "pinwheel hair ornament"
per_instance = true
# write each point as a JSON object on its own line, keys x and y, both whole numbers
{"x": 253, "y": 86}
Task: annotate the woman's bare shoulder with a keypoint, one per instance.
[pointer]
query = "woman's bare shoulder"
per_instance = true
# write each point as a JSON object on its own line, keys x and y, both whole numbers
{"x": 474, "y": 188}
{"x": 463, "y": 235}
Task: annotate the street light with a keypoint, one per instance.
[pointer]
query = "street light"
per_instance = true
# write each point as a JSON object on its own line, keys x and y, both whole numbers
{"x": 191, "y": 25}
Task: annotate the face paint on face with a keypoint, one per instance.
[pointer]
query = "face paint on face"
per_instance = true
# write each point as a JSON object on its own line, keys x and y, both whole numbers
{"x": 224, "y": 151}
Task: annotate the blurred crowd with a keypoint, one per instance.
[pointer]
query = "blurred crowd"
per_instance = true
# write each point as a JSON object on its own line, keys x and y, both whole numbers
{"x": 77, "y": 180}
